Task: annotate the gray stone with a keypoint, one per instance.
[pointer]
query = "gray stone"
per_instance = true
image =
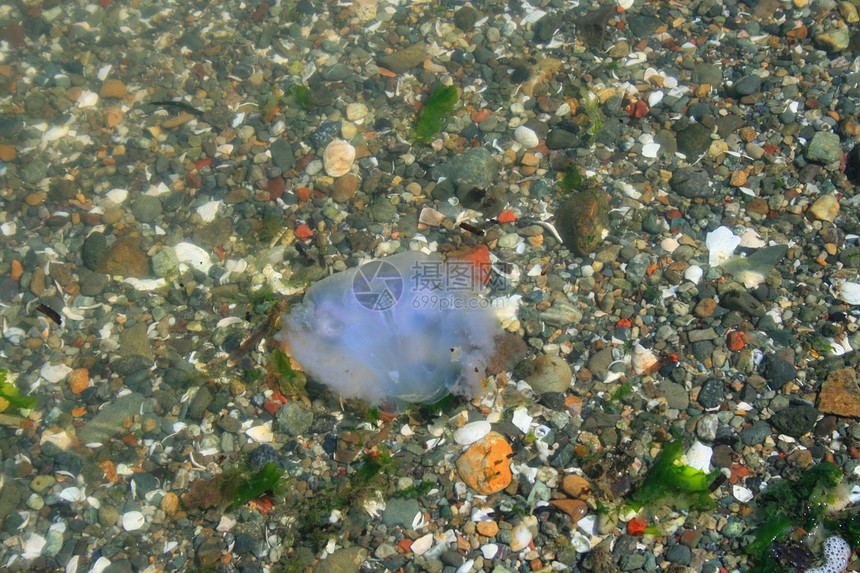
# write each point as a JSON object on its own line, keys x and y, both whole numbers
{"x": 824, "y": 148}
{"x": 691, "y": 182}
{"x": 198, "y": 405}
{"x": 294, "y": 418}
{"x": 755, "y": 434}
{"x": 693, "y": 140}
{"x": 552, "y": 374}
{"x": 680, "y": 554}
{"x": 561, "y": 314}
{"x": 712, "y": 394}
{"x": 403, "y": 60}
{"x": 599, "y": 363}
{"x": 676, "y": 395}
{"x": 748, "y": 85}
{"x": 400, "y": 511}
{"x": 93, "y": 251}
{"x": 165, "y": 262}
{"x": 110, "y": 419}
{"x": 146, "y": 208}
{"x": 475, "y": 167}
{"x": 742, "y": 301}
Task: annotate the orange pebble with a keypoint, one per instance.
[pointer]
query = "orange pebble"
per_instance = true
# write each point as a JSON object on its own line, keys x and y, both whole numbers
{"x": 79, "y": 380}
{"x": 17, "y": 269}
{"x": 507, "y": 217}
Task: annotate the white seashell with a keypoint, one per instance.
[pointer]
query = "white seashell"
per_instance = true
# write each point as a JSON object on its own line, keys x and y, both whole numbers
{"x": 54, "y": 372}
{"x": 208, "y": 211}
{"x": 9, "y": 228}
{"x": 430, "y": 217}
{"x": 471, "y": 433}
{"x": 526, "y": 137}
{"x": 117, "y": 196}
{"x": 133, "y": 520}
{"x": 421, "y": 545}
{"x": 261, "y": 434}
{"x": 191, "y": 254}
{"x": 580, "y": 542}
{"x": 466, "y": 567}
{"x": 522, "y": 420}
{"x": 741, "y": 493}
{"x": 699, "y": 456}
{"x": 655, "y": 97}
{"x": 847, "y": 291}
{"x": 669, "y": 244}
{"x": 521, "y": 537}
{"x": 721, "y": 243}
{"x": 33, "y": 546}
{"x": 651, "y": 150}
{"x": 642, "y": 359}
{"x": 15, "y": 335}
{"x": 73, "y": 495}
{"x": 694, "y": 274}
{"x": 338, "y": 158}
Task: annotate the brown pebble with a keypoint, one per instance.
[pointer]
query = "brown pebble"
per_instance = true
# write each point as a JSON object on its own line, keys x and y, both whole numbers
{"x": 169, "y": 503}
{"x": 840, "y": 394}
{"x": 7, "y": 152}
{"x": 575, "y": 508}
{"x": 37, "y": 283}
{"x": 34, "y": 199}
{"x": 705, "y": 308}
{"x": 576, "y": 486}
{"x": 345, "y": 188}
{"x": 113, "y": 89}
{"x": 113, "y": 117}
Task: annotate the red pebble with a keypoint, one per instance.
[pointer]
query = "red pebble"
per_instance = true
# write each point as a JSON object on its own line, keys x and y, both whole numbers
{"x": 636, "y": 526}
{"x": 736, "y": 340}
{"x": 507, "y": 217}
{"x": 304, "y": 232}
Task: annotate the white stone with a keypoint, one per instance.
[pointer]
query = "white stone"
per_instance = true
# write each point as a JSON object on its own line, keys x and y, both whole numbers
{"x": 489, "y": 550}
{"x": 208, "y": 211}
{"x": 355, "y": 111}
{"x": 421, "y": 545}
{"x": 471, "y": 432}
{"x": 338, "y": 158}
{"x": 521, "y": 537}
{"x": 261, "y": 434}
{"x": 132, "y": 520}
{"x": 526, "y": 137}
